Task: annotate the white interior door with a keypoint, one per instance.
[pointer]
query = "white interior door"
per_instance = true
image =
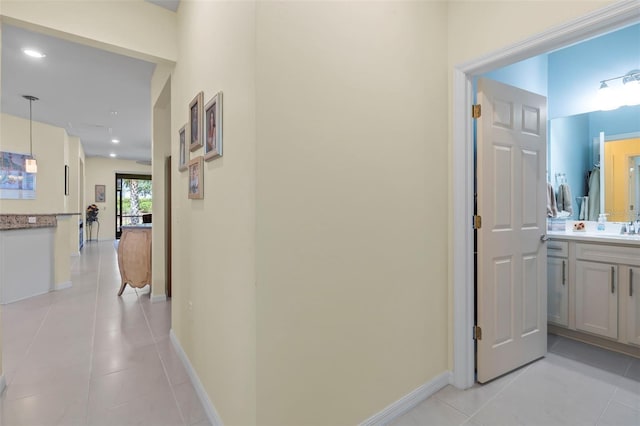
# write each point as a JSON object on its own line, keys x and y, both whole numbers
{"x": 512, "y": 255}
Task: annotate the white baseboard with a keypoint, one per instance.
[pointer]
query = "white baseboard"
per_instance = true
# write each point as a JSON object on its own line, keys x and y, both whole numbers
{"x": 62, "y": 286}
{"x": 157, "y": 298}
{"x": 212, "y": 414}
{"x": 3, "y": 383}
{"x": 409, "y": 401}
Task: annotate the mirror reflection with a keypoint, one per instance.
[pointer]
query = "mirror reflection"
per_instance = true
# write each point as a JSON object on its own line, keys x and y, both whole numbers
{"x": 597, "y": 154}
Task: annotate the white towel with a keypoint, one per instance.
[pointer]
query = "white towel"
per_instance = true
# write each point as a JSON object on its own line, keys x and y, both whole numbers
{"x": 564, "y": 198}
{"x": 552, "y": 209}
{"x": 584, "y": 208}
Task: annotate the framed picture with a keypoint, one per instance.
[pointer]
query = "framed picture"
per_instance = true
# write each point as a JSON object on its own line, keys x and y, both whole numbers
{"x": 196, "y": 181}
{"x": 101, "y": 195}
{"x": 66, "y": 180}
{"x": 195, "y": 122}
{"x": 213, "y": 128}
{"x": 182, "y": 161}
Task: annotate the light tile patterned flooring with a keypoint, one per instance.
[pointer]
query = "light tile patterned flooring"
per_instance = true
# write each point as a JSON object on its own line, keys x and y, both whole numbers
{"x": 83, "y": 356}
{"x": 575, "y": 384}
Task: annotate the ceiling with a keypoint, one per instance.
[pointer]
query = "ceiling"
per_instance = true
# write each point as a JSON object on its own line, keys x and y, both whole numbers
{"x": 91, "y": 93}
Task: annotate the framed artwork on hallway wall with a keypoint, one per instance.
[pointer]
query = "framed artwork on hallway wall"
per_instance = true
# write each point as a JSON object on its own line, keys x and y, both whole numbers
{"x": 213, "y": 128}
{"x": 183, "y": 152}
{"x": 196, "y": 181}
{"x": 101, "y": 195}
{"x": 195, "y": 122}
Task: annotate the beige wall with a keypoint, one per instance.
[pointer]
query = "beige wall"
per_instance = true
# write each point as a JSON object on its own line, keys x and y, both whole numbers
{"x": 351, "y": 207}
{"x": 49, "y": 150}
{"x": 161, "y": 147}
{"x": 214, "y": 240}
{"x": 75, "y": 202}
{"x": 102, "y": 171}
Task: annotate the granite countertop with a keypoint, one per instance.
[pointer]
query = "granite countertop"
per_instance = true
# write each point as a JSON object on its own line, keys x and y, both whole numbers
{"x": 21, "y": 220}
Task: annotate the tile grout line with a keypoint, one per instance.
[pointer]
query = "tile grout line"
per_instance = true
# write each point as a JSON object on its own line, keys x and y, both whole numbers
{"x": 164, "y": 368}
{"x": 93, "y": 336}
{"x": 33, "y": 339}
{"x": 502, "y": 390}
{"x": 606, "y": 406}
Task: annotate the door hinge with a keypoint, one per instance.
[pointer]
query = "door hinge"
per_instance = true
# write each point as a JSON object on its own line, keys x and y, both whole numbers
{"x": 476, "y": 111}
{"x": 477, "y": 332}
{"x": 477, "y": 222}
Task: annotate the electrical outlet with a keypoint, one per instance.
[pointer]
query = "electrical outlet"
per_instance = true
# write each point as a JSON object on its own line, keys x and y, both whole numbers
{"x": 190, "y": 306}
{"x": 32, "y": 219}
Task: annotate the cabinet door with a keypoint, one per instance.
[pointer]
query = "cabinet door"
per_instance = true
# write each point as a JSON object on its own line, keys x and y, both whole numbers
{"x": 633, "y": 304}
{"x": 557, "y": 291}
{"x": 597, "y": 298}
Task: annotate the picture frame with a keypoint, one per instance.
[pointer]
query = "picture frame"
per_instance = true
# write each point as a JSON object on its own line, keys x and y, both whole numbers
{"x": 66, "y": 180}
{"x": 183, "y": 151}
{"x": 213, "y": 128}
{"x": 101, "y": 195}
{"x": 196, "y": 181}
{"x": 195, "y": 122}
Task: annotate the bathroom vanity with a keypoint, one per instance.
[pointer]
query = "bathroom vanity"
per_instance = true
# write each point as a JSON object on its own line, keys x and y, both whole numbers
{"x": 594, "y": 287}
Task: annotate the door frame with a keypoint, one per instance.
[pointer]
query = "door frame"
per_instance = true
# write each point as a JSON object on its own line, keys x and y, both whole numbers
{"x": 604, "y": 20}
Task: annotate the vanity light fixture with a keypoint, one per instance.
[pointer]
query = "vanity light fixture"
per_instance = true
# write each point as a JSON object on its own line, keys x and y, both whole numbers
{"x": 33, "y": 53}
{"x": 115, "y": 140}
{"x": 112, "y": 155}
{"x": 627, "y": 94}
{"x": 30, "y": 164}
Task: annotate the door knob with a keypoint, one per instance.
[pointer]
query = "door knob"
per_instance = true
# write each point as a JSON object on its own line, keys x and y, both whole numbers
{"x": 544, "y": 238}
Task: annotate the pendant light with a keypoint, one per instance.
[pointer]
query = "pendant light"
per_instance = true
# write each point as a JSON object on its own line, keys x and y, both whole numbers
{"x": 30, "y": 164}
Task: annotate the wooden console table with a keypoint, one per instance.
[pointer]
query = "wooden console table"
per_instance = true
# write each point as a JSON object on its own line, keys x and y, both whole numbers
{"x": 134, "y": 256}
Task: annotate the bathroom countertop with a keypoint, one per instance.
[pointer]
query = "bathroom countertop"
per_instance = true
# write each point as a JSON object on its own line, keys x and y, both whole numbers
{"x": 596, "y": 237}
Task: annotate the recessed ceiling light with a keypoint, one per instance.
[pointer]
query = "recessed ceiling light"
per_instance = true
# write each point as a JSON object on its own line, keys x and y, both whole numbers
{"x": 112, "y": 154}
{"x": 115, "y": 140}
{"x": 33, "y": 53}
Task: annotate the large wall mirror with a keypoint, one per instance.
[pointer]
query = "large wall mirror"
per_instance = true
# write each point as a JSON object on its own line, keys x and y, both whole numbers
{"x": 576, "y": 151}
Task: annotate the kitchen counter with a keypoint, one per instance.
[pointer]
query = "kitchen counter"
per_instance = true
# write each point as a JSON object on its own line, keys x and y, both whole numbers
{"x": 21, "y": 221}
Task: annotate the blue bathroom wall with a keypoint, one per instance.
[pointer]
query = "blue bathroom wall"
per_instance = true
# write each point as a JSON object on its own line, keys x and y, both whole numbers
{"x": 530, "y": 74}
{"x": 575, "y": 72}
{"x": 617, "y": 122}
{"x": 570, "y": 154}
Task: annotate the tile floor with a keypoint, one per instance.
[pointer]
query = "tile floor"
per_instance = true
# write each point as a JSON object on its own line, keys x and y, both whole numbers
{"x": 83, "y": 356}
{"x": 575, "y": 384}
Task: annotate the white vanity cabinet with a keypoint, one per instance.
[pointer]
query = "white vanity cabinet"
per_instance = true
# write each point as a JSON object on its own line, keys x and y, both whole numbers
{"x": 594, "y": 290}
{"x": 597, "y": 298}
{"x": 632, "y": 296}
{"x": 557, "y": 283}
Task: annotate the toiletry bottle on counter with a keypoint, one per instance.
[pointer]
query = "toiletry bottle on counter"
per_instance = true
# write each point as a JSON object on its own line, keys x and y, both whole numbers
{"x": 602, "y": 218}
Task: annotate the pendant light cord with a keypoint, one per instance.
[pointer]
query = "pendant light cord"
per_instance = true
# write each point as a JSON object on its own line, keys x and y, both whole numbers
{"x": 30, "y": 98}
{"x": 30, "y": 128}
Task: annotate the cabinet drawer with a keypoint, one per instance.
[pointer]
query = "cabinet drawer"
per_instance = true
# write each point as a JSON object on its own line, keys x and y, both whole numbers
{"x": 612, "y": 254}
{"x": 557, "y": 248}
